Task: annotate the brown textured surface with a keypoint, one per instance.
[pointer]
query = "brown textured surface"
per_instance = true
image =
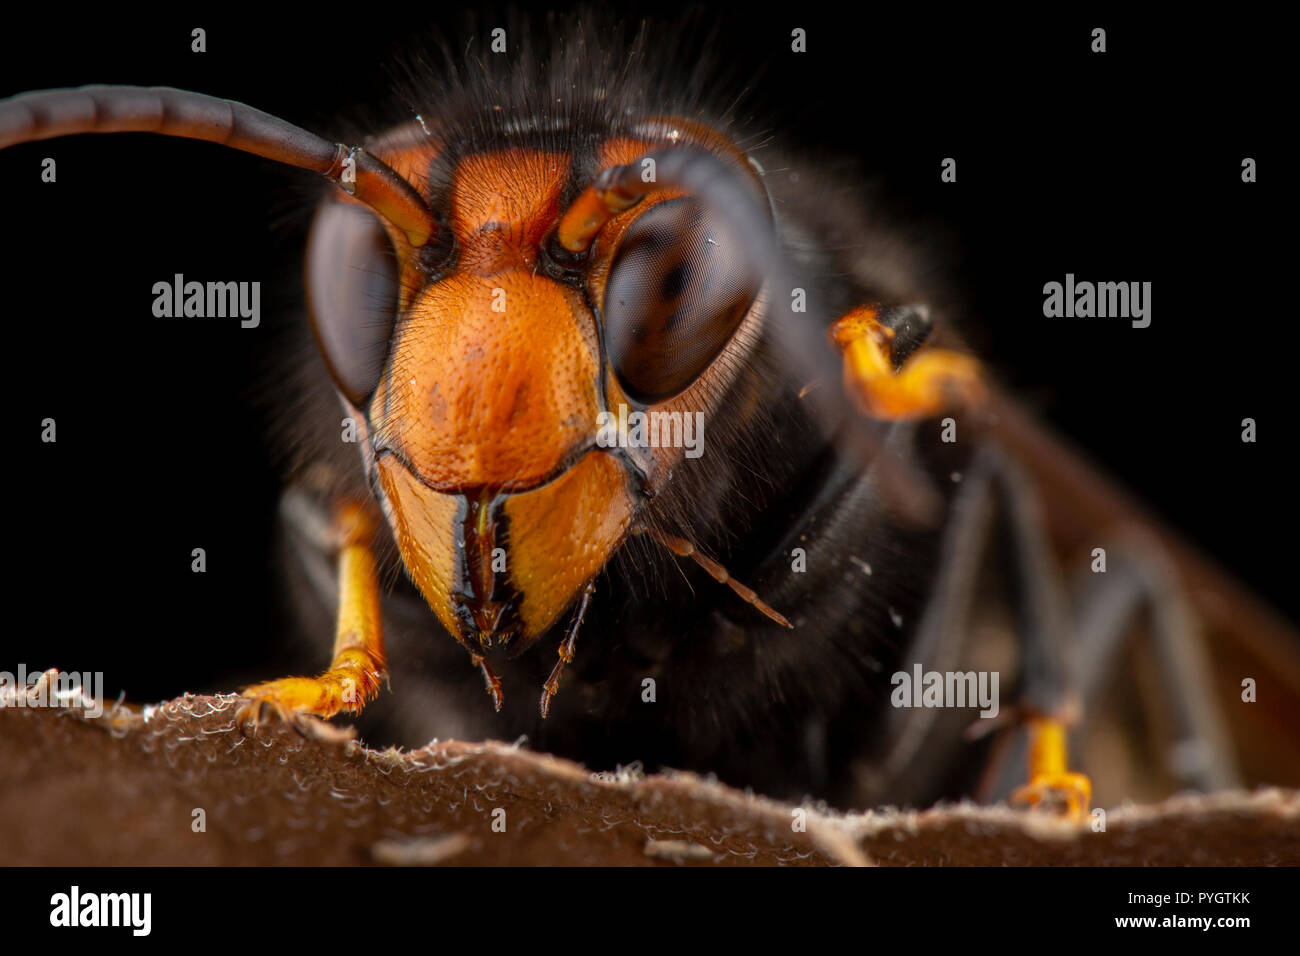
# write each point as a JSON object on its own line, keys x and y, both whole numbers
{"x": 121, "y": 789}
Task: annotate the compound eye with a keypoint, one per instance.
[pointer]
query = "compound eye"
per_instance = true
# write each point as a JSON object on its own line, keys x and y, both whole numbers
{"x": 352, "y": 294}
{"x": 678, "y": 289}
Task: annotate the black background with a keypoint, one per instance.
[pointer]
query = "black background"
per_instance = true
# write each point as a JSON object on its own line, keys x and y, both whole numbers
{"x": 1124, "y": 166}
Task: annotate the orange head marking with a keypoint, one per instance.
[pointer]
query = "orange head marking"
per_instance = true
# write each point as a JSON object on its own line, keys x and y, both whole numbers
{"x": 502, "y": 206}
{"x": 485, "y": 421}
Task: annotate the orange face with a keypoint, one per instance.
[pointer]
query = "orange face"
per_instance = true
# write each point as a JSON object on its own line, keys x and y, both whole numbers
{"x": 485, "y": 419}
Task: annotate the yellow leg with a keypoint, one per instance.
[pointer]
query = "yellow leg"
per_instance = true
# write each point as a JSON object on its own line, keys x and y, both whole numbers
{"x": 929, "y": 382}
{"x": 358, "y": 666}
{"x": 1050, "y": 780}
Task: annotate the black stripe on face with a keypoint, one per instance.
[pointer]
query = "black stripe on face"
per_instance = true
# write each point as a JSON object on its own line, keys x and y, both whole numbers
{"x": 486, "y": 601}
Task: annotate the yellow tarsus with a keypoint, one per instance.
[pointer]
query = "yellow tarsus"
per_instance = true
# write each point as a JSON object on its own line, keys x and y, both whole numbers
{"x": 1050, "y": 779}
{"x": 358, "y": 665}
{"x": 928, "y": 383}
